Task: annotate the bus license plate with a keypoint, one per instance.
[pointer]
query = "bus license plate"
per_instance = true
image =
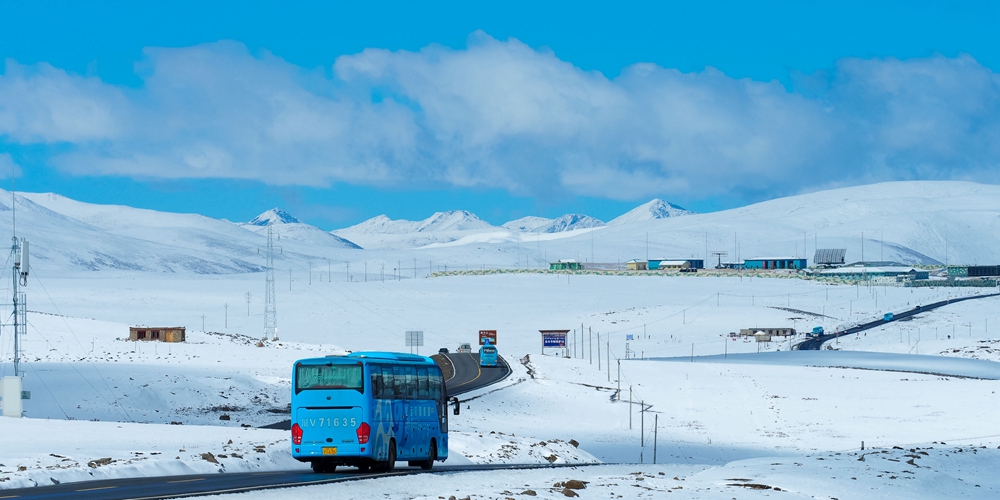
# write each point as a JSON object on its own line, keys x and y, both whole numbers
{"x": 329, "y": 450}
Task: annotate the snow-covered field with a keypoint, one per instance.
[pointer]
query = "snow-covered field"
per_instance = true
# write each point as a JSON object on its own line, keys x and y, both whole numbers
{"x": 711, "y": 416}
{"x": 104, "y": 407}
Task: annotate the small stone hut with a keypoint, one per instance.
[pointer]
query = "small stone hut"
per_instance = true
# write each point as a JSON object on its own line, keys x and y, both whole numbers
{"x": 157, "y": 333}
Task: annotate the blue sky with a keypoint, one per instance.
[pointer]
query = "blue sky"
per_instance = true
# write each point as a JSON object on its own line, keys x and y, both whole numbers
{"x": 339, "y": 112}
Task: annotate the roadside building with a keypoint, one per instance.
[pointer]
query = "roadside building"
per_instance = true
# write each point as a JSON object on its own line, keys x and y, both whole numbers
{"x": 775, "y": 263}
{"x": 829, "y": 257}
{"x": 676, "y": 264}
{"x": 566, "y": 265}
{"x": 770, "y": 332}
{"x": 636, "y": 265}
{"x": 862, "y": 273}
{"x": 973, "y": 271}
{"x": 671, "y": 265}
{"x": 157, "y": 333}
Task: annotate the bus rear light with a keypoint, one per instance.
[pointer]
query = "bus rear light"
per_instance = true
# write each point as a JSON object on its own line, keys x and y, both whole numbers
{"x": 296, "y": 434}
{"x": 364, "y": 432}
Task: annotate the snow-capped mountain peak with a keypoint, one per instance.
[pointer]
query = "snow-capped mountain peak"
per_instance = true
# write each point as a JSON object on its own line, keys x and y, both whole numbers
{"x": 273, "y": 216}
{"x": 568, "y": 222}
{"x": 452, "y": 220}
{"x": 654, "y": 209}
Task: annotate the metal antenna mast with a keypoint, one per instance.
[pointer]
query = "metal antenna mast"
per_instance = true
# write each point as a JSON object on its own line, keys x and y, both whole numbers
{"x": 270, "y": 315}
{"x": 720, "y": 254}
{"x": 19, "y": 250}
{"x": 11, "y": 386}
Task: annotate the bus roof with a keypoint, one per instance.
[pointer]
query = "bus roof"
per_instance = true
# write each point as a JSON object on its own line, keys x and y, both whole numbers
{"x": 357, "y": 357}
{"x": 391, "y": 356}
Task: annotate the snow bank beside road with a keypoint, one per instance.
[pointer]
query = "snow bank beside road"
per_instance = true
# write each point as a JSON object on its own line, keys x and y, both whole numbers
{"x": 57, "y": 451}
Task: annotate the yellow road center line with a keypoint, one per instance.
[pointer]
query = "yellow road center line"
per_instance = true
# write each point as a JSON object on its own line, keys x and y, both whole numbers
{"x": 479, "y": 374}
{"x": 186, "y": 480}
{"x": 98, "y": 488}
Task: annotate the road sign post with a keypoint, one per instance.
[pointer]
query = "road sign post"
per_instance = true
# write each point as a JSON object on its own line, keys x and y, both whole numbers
{"x": 485, "y": 335}
{"x": 553, "y": 338}
{"x": 414, "y": 338}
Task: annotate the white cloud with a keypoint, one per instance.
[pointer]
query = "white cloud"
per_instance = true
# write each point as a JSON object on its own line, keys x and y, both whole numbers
{"x": 44, "y": 104}
{"x": 502, "y": 114}
{"x": 8, "y": 167}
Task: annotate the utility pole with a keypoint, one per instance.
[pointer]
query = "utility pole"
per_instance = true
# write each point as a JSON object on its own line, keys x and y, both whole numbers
{"x": 590, "y": 337}
{"x": 270, "y": 309}
{"x": 329, "y": 272}
{"x": 202, "y": 322}
{"x": 348, "y": 271}
{"x": 227, "y": 314}
{"x": 608, "y": 344}
{"x": 248, "y": 303}
{"x": 310, "y": 272}
{"x": 598, "y": 352}
{"x": 414, "y": 268}
{"x": 630, "y": 407}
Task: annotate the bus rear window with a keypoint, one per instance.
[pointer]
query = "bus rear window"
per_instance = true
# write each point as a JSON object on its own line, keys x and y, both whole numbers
{"x": 309, "y": 377}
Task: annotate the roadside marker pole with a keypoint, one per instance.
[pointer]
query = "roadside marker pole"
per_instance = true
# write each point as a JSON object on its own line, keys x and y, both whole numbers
{"x": 656, "y": 427}
{"x": 642, "y": 425}
{"x": 629, "y": 406}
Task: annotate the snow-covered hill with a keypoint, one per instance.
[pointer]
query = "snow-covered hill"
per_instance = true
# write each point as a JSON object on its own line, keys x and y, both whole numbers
{"x": 384, "y": 233}
{"x": 527, "y": 224}
{"x": 655, "y": 209}
{"x": 912, "y": 222}
{"x": 568, "y": 222}
{"x": 70, "y": 235}
{"x": 453, "y": 220}
{"x": 287, "y": 227}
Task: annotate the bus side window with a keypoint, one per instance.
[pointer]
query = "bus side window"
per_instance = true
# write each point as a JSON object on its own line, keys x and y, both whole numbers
{"x": 375, "y": 372}
{"x": 435, "y": 385}
{"x": 387, "y": 382}
{"x": 398, "y": 382}
{"x": 422, "y": 392}
{"x": 411, "y": 382}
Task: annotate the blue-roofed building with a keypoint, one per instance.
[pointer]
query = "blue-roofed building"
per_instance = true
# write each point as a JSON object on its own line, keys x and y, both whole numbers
{"x": 775, "y": 263}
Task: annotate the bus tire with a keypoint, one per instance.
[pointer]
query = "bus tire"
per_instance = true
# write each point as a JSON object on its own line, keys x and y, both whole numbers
{"x": 390, "y": 464}
{"x": 431, "y": 457}
{"x": 321, "y": 467}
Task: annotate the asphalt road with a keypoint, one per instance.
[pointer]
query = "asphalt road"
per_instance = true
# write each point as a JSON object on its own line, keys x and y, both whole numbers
{"x": 817, "y": 342}
{"x": 149, "y": 488}
{"x": 464, "y": 375}
{"x": 468, "y": 375}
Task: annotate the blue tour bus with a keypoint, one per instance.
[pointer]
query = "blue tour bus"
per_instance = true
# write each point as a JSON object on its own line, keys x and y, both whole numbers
{"x": 368, "y": 410}
{"x": 488, "y": 354}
